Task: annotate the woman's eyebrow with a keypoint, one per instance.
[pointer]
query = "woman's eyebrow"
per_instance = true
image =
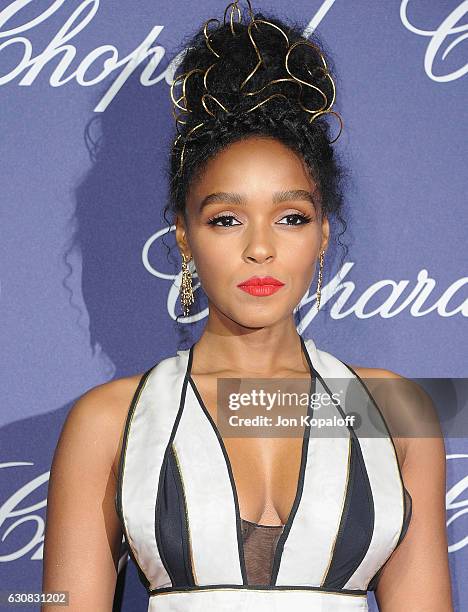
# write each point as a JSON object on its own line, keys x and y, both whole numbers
{"x": 237, "y": 199}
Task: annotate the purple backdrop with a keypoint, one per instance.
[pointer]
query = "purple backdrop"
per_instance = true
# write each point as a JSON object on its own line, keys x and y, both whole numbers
{"x": 87, "y": 286}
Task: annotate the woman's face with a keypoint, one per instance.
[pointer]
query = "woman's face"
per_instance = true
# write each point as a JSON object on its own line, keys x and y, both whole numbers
{"x": 251, "y": 213}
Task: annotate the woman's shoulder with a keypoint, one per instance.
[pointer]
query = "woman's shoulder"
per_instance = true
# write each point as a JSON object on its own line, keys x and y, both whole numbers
{"x": 406, "y": 407}
{"x": 103, "y": 409}
{"x": 108, "y": 401}
{"x": 404, "y": 401}
{"x": 365, "y": 372}
{"x": 120, "y": 394}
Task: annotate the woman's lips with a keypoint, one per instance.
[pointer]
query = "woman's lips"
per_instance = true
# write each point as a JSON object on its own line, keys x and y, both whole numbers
{"x": 261, "y": 286}
{"x": 260, "y": 290}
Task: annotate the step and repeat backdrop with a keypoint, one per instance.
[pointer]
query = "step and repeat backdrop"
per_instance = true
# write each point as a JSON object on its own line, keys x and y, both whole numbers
{"x": 89, "y": 266}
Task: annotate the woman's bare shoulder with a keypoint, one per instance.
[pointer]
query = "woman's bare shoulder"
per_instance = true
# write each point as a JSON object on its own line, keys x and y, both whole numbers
{"x": 365, "y": 372}
{"x": 105, "y": 407}
{"x": 408, "y": 405}
{"x": 404, "y": 405}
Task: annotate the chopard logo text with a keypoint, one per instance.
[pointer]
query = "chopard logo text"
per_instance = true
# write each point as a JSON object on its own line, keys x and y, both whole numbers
{"x": 61, "y": 56}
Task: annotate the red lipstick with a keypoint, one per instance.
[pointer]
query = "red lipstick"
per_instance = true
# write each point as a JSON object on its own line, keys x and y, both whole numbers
{"x": 260, "y": 286}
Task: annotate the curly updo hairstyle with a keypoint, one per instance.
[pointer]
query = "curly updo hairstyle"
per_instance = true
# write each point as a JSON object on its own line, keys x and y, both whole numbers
{"x": 218, "y": 111}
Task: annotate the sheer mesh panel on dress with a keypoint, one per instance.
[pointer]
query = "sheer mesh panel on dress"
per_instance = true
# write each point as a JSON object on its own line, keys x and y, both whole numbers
{"x": 259, "y": 550}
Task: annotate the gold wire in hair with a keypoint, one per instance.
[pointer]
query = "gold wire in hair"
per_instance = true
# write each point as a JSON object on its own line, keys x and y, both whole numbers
{"x": 233, "y": 6}
{"x": 203, "y": 100}
{"x": 181, "y": 102}
{"x": 307, "y": 84}
{"x": 282, "y": 80}
{"x": 207, "y": 37}
{"x": 184, "y": 76}
{"x": 276, "y": 95}
{"x": 205, "y": 76}
{"x": 255, "y": 46}
{"x": 185, "y": 143}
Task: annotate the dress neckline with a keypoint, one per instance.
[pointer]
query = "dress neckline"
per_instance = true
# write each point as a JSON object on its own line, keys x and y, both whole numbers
{"x": 262, "y": 524}
{"x": 302, "y": 469}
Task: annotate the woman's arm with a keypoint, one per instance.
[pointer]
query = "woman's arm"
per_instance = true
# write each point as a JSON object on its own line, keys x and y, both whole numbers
{"x": 417, "y": 575}
{"x": 83, "y": 532}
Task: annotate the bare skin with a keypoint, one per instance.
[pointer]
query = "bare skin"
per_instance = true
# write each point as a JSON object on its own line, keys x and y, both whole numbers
{"x": 244, "y": 336}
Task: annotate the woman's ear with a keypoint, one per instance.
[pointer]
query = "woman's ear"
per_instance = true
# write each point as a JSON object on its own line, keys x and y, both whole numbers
{"x": 325, "y": 233}
{"x": 181, "y": 234}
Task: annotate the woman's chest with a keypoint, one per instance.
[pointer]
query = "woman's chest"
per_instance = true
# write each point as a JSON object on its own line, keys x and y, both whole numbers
{"x": 265, "y": 466}
{"x": 183, "y": 491}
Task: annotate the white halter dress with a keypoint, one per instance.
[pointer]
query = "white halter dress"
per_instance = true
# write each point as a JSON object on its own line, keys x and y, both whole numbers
{"x": 178, "y": 505}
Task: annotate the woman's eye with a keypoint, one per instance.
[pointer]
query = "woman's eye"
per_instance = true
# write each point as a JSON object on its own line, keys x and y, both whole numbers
{"x": 214, "y": 220}
{"x": 225, "y": 220}
{"x": 303, "y": 218}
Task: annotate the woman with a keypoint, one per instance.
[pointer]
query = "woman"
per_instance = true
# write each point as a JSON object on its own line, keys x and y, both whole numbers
{"x": 306, "y": 521}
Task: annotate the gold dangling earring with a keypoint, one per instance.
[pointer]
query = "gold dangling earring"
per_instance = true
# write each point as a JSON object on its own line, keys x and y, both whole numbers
{"x": 186, "y": 290}
{"x": 319, "y": 282}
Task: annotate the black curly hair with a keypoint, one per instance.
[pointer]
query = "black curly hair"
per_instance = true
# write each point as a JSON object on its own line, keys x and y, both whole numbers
{"x": 282, "y": 117}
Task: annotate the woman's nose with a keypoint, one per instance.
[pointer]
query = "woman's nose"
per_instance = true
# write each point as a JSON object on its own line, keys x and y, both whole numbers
{"x": 259, "y": 244}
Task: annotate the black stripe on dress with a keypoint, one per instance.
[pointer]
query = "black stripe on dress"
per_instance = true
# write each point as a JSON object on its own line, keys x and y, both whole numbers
{"x": 172, "y": 525}
{"x": 356, "y": 524}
